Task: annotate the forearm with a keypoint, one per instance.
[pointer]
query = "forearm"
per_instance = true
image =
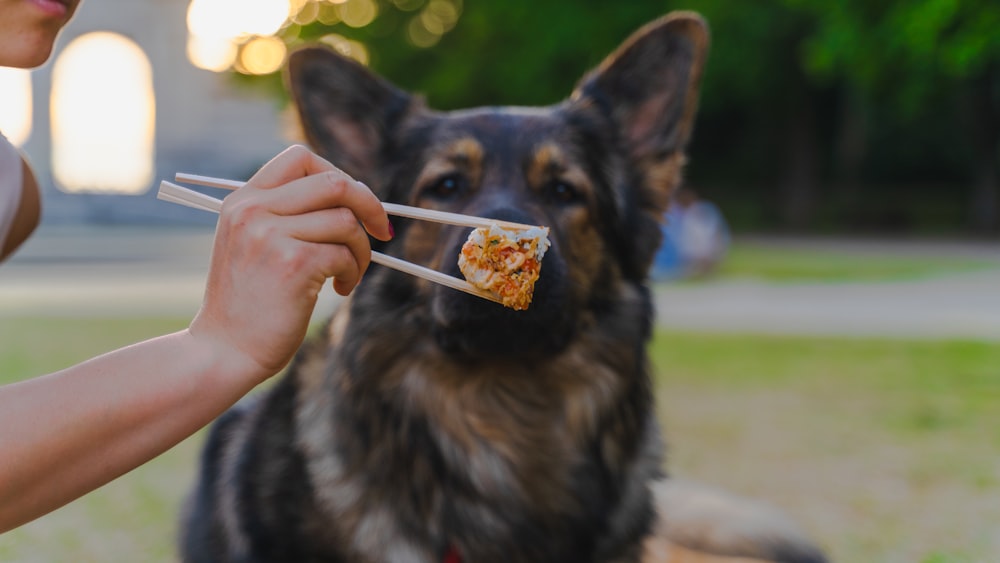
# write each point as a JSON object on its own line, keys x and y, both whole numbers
{"x": 67, "y": 433}
{"x": 294, "y": 226}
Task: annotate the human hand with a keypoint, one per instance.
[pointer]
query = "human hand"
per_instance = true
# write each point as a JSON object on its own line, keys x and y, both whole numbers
{"x": 279, "y": 238}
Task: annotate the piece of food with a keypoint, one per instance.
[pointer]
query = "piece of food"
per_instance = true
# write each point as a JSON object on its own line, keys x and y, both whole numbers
{"x": 505, "y": 262}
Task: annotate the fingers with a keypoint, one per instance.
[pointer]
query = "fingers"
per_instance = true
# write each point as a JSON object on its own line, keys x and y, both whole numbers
{"x": 327, "y": 190}
{"x": 279, "y": 238}
{"x": 334, "y": 226}
{"x": 344, "y": 271}
{"x": 304, "y": 200}
{"x": 291, "y": 164}
{"x": 297, "y": 181}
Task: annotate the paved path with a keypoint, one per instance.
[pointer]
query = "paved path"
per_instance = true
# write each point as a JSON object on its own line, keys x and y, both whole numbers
{"x": 126, "y": 271}
{"x": 959, "y": 305}
{"x": 952, "y": 306}
{"x": 130, "y": 271}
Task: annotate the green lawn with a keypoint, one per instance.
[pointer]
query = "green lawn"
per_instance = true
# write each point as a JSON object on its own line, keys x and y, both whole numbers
{"x": 131, "y": 519}
{"x": 883, "y": 450}
{"x": 774, "y": 263}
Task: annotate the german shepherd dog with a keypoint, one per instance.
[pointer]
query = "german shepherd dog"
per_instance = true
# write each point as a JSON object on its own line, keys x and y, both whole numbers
{"x": 427, "y": 425}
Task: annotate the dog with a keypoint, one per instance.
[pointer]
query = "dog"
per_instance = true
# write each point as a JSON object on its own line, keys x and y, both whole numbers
{"x": 425, "y": 425}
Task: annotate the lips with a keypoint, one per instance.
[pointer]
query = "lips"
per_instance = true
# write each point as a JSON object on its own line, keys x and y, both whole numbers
{"x": 54, "y": 8}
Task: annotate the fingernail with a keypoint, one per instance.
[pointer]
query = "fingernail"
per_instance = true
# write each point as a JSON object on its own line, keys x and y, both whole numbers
{"x": 392, "y": 231}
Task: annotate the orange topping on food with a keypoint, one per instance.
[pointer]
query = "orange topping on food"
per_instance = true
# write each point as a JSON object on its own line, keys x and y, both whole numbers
{"x": 505, "y": 262}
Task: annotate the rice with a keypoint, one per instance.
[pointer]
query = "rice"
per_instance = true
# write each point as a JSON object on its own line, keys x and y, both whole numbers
{"x": 505, "y": 262}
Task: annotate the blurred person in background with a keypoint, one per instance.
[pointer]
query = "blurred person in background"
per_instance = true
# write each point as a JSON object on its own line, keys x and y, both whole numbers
{"x": 695, "y": 238}
{"x": 297, "y": 223}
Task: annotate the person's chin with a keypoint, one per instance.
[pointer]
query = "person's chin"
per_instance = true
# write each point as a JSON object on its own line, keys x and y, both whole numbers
{"x": 29, "y": 54}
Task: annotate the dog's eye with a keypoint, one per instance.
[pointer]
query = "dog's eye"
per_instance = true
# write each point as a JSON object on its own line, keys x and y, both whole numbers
{"x": 559, "y": 191}
{"x": 446, "y": 187}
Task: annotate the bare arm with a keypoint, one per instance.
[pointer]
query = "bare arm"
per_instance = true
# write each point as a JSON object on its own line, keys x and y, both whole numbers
{"x": 70, "y": 432}
{"x": 279, "y": 239}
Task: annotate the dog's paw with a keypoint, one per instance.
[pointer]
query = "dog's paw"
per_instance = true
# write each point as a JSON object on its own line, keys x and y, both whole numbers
{"x": 698, "y": 524}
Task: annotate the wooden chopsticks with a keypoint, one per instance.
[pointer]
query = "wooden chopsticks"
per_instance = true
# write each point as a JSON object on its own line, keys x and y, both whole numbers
{"x": 390, "y": 208}
{"x": 180, "y": 195}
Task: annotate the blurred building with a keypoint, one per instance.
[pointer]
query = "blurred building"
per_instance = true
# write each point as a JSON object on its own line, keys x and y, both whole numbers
{"x": 120, "y": 106}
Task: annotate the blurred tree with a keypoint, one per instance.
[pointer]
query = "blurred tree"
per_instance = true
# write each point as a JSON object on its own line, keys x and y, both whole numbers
{"x": 909, "y": 56}
{"x": 850, "y": 113}
{"x": 755, "y": 73}
{"x": 838, "y": 68}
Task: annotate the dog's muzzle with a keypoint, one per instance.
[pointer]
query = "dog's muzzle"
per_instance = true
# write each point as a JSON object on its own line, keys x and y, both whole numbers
{"x": 468, "y": 325}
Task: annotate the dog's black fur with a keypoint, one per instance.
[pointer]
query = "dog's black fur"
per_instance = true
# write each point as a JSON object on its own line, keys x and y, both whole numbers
{"x": 424, "y": 421}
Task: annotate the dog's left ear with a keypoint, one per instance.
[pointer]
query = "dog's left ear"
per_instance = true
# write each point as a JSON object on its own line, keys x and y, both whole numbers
{"x": 648, "y": 88}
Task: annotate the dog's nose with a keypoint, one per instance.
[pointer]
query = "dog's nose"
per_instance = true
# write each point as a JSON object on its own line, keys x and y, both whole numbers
{"x": 507, "y": 213}
{"x": 504, "y": 202}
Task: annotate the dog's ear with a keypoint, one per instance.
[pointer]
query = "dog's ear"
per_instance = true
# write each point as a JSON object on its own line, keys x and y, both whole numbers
{"x": 347, "y": 112}
{"x": 648, "y": 90}
{"x": 649, "y": 86}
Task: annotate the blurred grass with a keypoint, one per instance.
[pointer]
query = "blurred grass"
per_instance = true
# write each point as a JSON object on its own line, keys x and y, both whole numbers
{"x": 766, "y": 262}
{"x": 130, "y": 519}
{"x": 883, "y": 450}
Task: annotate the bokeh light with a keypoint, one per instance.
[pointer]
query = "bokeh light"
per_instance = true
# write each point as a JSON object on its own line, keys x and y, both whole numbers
{"x": 238, "y": 34}
{"x": 305, "y": 13}
{"x": 103, "y": 116}
{"x": 217, "y": 27}
{"x": 438, "y": 17}
{"x": 235, "y": 19}
{"x": 358, "y": 13}
{"x": 408, "y": 5}
{"x": 443, "y": 13}
{"x": 15, "y": 104}
{"x": 328, "y": 14}
{"x": 262, "y": 55}
{"x": 211, "y": 53}
{"x": 419, "y": 35}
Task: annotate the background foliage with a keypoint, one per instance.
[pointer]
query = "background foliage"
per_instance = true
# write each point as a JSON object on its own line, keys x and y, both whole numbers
{"x": 818, "y": 115}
